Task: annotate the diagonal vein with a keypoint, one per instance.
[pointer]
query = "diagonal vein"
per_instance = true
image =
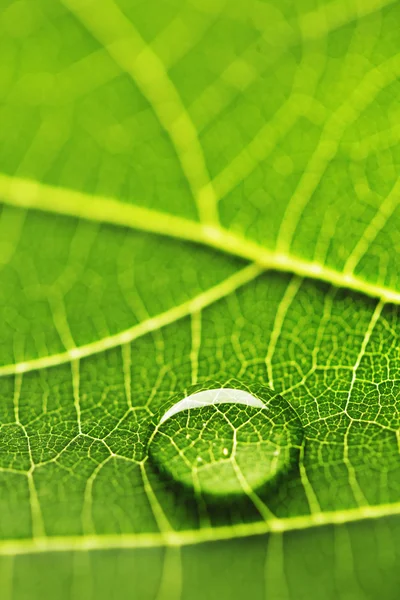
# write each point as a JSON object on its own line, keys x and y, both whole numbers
{"x": 133, "y": 56}
{"x": 195, "y": 304}
{"x": 26, "y": 193}
{"x": 377, "y": 79}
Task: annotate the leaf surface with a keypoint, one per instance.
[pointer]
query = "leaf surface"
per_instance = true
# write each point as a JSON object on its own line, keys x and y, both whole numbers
{"x": 198, "y": 191}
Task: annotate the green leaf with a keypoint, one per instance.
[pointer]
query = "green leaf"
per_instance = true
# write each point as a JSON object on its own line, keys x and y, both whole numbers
{"x": 195, "y": 191}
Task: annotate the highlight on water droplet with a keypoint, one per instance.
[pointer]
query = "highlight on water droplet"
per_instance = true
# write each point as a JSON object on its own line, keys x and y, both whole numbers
{"x": 225, "y": 440}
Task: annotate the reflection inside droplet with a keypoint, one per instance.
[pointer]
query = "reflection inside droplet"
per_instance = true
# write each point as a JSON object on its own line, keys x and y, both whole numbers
{"x": 213, "y": 397}
{"x": 228, "y": 440}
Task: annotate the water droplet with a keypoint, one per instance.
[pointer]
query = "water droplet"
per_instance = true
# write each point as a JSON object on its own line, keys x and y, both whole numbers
{"x": 240, "y": 436}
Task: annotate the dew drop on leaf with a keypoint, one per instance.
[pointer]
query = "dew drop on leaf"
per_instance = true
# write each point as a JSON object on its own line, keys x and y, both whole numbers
{"x": 224, "y": 441}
